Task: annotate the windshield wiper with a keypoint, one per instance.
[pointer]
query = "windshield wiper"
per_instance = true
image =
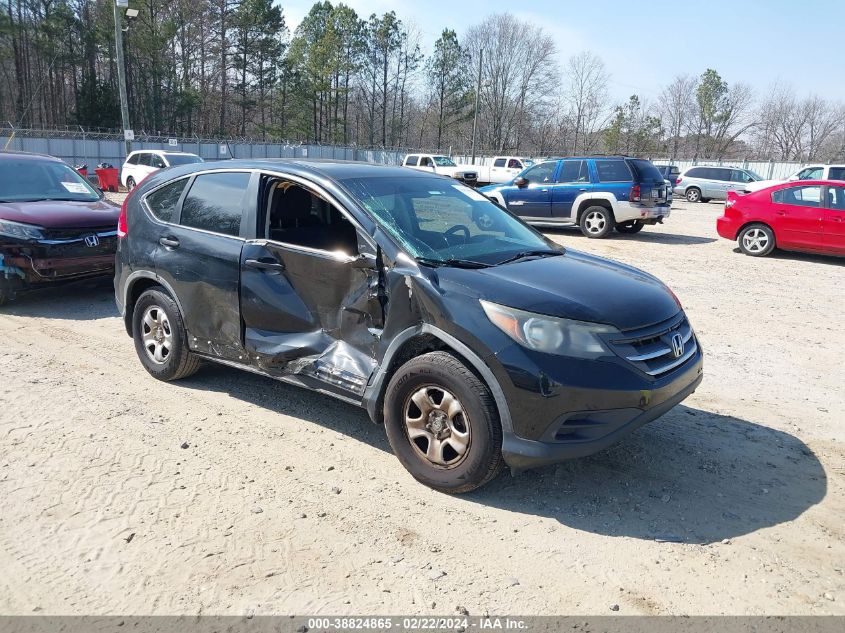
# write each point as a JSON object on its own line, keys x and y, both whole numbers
{"x": 524, "y": 254}
{"x": 27, "y": 200}
{"x": 454, "y": 263}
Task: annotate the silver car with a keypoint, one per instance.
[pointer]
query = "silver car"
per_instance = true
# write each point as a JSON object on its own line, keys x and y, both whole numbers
{"x": 702, "y": 184}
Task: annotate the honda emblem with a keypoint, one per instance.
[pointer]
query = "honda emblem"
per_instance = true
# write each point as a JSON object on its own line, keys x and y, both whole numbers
{"x": 91, "y": 241}
{"x": 677, "y": 345}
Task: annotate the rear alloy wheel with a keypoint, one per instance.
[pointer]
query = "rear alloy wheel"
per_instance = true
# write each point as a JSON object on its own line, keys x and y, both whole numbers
{"x": 757, "y": 240}
{"x": 442, "y": 424}
{"x": 596, "y": 222}
{"x": 130, "y": 183}
{"x": 693, "y": 194}
{"x": 160, "y": 338}
{"x": 630, "y": 227}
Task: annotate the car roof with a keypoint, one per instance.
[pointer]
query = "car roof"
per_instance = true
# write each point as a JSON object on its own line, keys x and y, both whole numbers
{"x": 316, "y": 167}
{"x": 28, "y": 155}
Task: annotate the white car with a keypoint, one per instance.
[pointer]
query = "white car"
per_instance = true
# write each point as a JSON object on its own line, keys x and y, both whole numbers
{"x": 443, "y": 165}
{"x": 810, "y": 172}
{"x": 503, "y": 169}
{"x": 142, "y": 163}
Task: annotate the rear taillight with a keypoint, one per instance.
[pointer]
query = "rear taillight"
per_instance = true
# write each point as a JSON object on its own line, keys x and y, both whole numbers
{"x": 121, "y": 220}
{"x": 635, "y": 193}
{"x": 729, "y": 202}
{"x": 678, "y": 180}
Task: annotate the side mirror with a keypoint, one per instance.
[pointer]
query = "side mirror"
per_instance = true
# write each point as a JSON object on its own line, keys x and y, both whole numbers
{"x": 365, "y": 261}
{"x": 521, "y": 182}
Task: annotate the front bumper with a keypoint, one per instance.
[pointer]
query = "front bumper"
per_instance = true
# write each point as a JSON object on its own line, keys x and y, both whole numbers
{"x": 564, "y": 410}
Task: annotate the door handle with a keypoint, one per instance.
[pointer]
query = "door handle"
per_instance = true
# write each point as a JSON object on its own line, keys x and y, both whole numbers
{"x": 582, "y": 189}
{"x": 781, "y": 212}
{"x": 265, "y": 263}
{"x": 169, "y": 242}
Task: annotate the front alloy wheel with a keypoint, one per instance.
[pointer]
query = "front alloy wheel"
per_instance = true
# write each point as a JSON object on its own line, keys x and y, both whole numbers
{"x": 442, "y": 423}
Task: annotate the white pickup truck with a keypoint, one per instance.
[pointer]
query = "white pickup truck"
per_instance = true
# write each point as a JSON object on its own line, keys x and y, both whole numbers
{"x": 443, "y": 165}
{"x": 502, "y": 169}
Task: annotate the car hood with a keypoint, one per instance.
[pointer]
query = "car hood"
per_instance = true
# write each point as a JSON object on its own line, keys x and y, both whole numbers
{"x": 61, "y": 214}
{"x": 574, "y": 286}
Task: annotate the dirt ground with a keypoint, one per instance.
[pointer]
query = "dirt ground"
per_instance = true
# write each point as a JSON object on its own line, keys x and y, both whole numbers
{"x": 286, "y": 501}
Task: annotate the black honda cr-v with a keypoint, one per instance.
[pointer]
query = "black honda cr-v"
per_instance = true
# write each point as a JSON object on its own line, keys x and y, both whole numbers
{"x": 475, "y": 340}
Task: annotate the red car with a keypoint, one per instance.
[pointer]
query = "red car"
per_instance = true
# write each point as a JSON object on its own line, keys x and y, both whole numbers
{"x": 54, "y": 226}
{"x": 802, "y": 215}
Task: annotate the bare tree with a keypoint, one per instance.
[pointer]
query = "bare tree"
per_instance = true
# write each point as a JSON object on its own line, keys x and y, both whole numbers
{"x": 586, "y": 94}
{"x": 675, "y": 107}
{"x": 519, "y": 75}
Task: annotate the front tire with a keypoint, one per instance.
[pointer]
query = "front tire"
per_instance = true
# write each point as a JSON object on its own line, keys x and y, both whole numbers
{"x": 596, "y": 222}
{"x": 160, "y": 338}
{"x": 130, "y": 183}
{"x": 756, "y": 240}
{"x": 693, "y": 194}
{"x": 442, "y": 424}
{"x": 630, "y": 227}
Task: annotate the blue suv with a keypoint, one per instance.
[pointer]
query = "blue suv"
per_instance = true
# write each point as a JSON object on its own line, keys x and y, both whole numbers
{"x": 597, "y": 193}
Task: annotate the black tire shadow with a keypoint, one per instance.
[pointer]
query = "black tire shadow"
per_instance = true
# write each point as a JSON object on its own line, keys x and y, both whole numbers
{"x": 691, "y": 476}
{"x": 795, "y": 256}
{"x": 86, "y": 300}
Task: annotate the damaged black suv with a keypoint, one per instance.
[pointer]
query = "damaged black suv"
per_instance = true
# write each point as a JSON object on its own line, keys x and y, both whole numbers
{"x": 474, "y": 339}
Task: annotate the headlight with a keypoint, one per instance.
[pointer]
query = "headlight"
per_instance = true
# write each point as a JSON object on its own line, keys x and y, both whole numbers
{"x": 549, "y": 334}
{"x": 20, "y": 231}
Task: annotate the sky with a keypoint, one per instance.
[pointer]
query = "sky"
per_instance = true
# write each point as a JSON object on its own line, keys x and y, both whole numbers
{"x": 645, "y": 43}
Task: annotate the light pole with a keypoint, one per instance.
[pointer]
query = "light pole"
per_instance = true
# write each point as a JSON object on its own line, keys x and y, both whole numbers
{"x": 121, "y": 69}
{"x": 477, "y": 95}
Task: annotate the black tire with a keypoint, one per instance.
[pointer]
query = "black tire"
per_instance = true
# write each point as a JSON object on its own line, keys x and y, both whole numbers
{"x": 756, "y": 240}
{"x": 178, "y": 362}
{"x": 4, "y": 296}
{"x": 630, "y": 227}
{"x": 693, "y": 194}
{"x": 596, "y": 222}
{"x": 130, "y": 183}
{"x": 442, "y": 373}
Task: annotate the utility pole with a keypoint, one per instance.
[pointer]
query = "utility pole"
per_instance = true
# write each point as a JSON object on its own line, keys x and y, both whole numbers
{"x": 477, "y": 95}
{"x": 121, "y": 69}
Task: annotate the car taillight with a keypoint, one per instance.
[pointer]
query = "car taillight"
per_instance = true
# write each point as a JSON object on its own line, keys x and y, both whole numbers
{"x": 121, "y": 220}
{"x": 729, "y": 203}
{"x": 635, "y": 193}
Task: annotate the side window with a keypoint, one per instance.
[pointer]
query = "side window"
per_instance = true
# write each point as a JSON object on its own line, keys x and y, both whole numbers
{"x": 514, "y": 164}
{"x": 296, "y": 215}
{"x": 721, "y": 174}
{"x": 157, "y": 161}
{"x": 573, "y": 171}
{"x": 695, "y": 172}
{"x": 613, "y": 171}
{"x": 499, "y": 162}
{"x": 544, "y": 172}
{"x": 411, "y": 161}
{"x": 215, "y": 202}
{"x": 798, "y": 196}
{"x": 811, "y": 173}
{"x": 132, "y": 160}
{"x": 144, "y": 159}
{"x": 836, "y": 173}
{"x": 162, "y": 202}
{"x": 425, "y": 161}
{"x": 836, "y": 198}
{"x": 737, "y": 175}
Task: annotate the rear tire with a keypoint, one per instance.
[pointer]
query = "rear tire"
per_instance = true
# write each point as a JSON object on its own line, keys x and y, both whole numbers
{"x": 442, "y": 424}
{"x": 756, "y": 240}
{"x": 631, "y": 227}
{"x": 693, "y": 194}
{"x": 596, "y": 222}
{"x": 160, "y": 338}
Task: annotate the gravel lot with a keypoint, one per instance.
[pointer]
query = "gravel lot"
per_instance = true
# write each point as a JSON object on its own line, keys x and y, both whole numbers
{"x": 230, "y": 493}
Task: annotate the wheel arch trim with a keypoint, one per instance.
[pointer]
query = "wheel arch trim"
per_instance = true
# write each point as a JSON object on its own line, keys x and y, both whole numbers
{"x": 378, "y": 385}
{"x": 131, "y": 280}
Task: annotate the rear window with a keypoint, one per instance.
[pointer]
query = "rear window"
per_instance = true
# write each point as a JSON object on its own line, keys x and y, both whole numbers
{"x": 836, "y": 173}
{"x": 162, "y": 202}
{"x": 644, "y": 170}
{"x": 215, "y": 202}
{"x": 616, "y": 171}
{"x": 499, "y": 162}
{"x": 411, "y": 161}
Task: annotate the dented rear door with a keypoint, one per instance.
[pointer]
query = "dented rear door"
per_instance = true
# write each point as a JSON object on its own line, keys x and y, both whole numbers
{"x": 310, "y": 313}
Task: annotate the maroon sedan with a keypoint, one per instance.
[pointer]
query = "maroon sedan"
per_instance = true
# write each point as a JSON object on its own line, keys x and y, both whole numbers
{"x": 54, "y": 226}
